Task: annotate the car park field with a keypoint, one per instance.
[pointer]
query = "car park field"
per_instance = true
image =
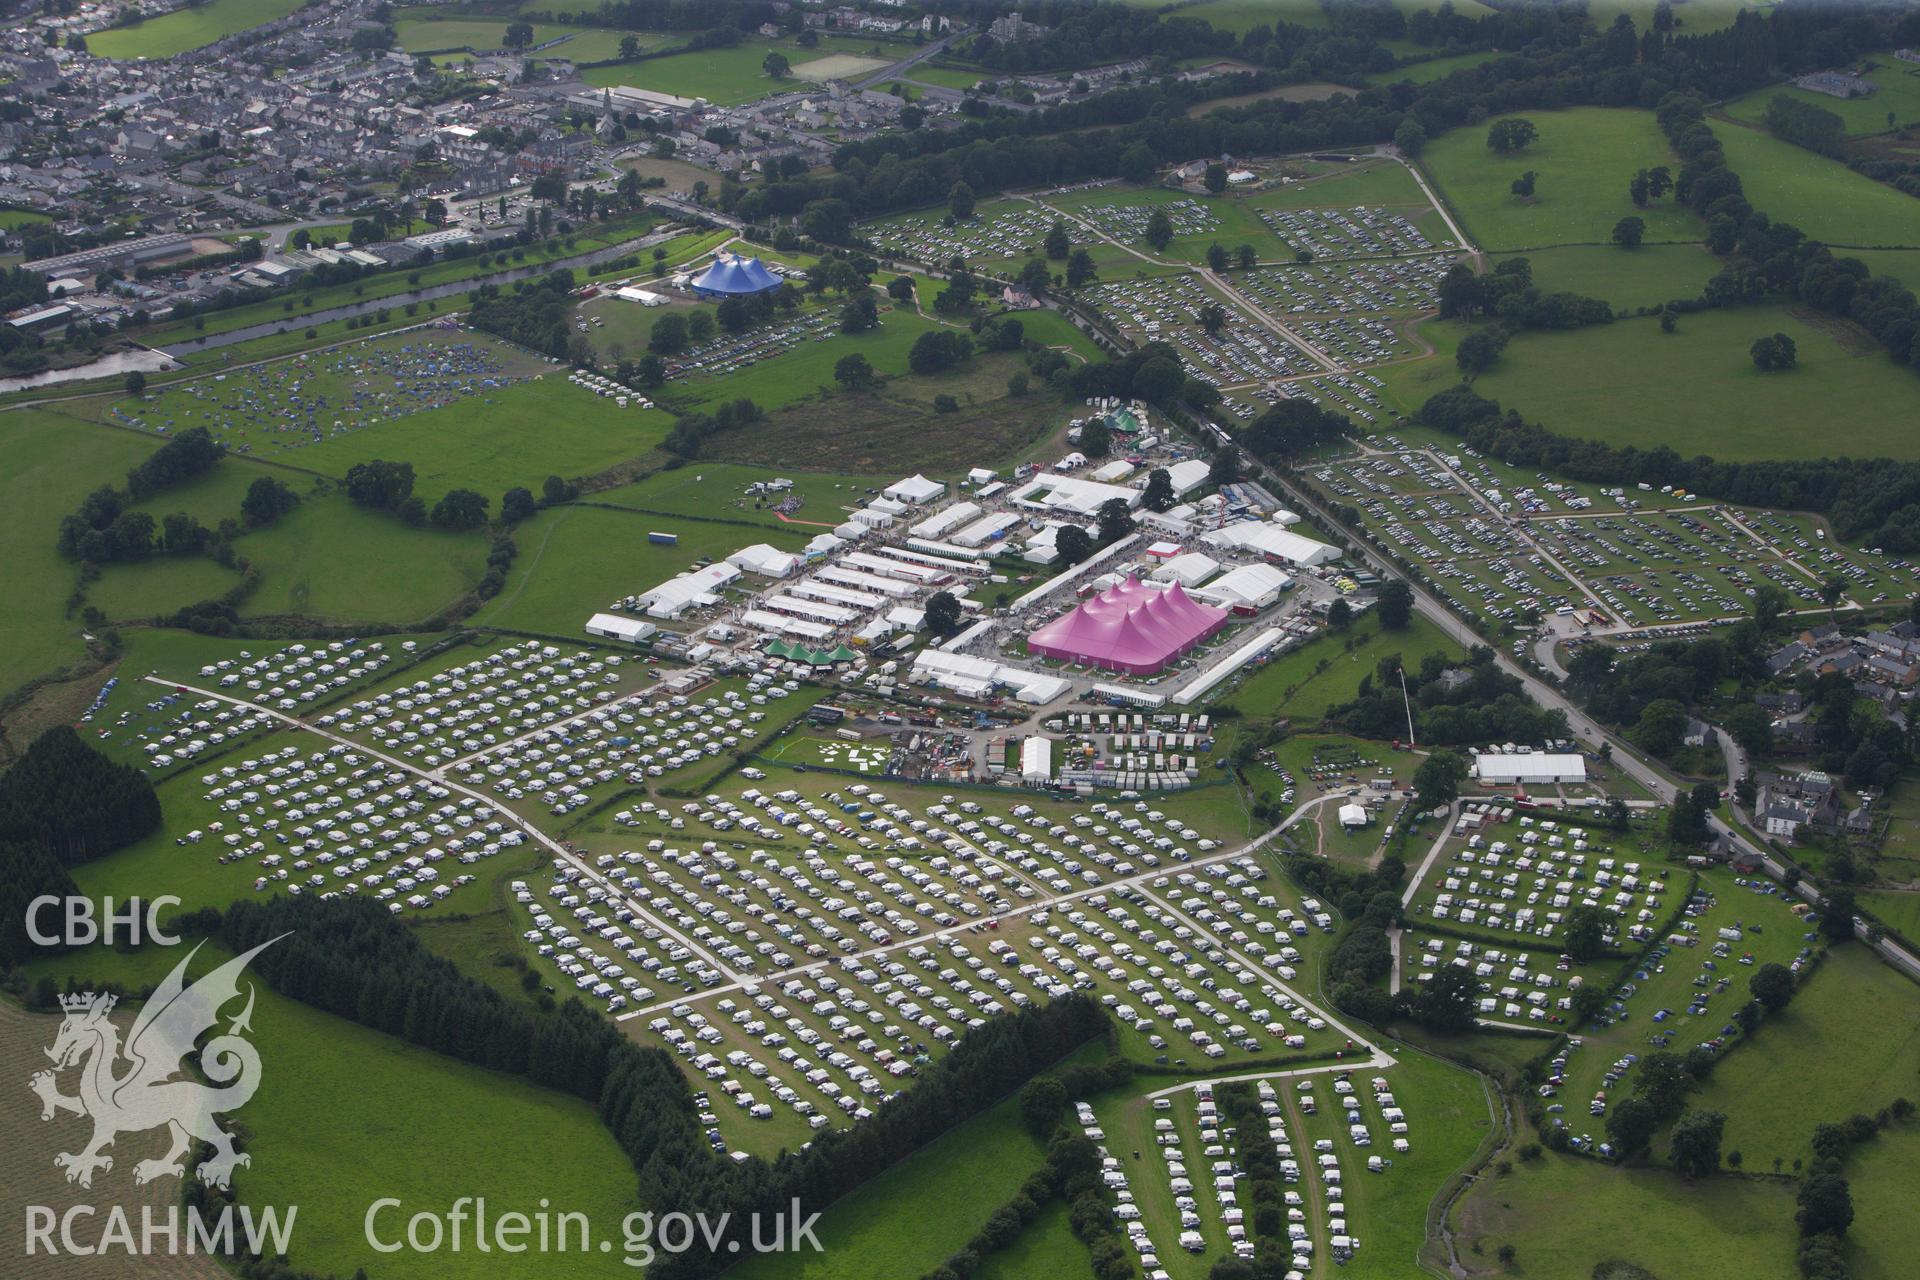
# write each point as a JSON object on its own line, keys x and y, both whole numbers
{"x": 270, "y": 409}
{"x": 1121, "y": 213}
{"x": 1499, "y": 541}
{"x": 1001, "y": 234}
{"x": 1167, "y": 308}
{"x": 1680, "y": 996}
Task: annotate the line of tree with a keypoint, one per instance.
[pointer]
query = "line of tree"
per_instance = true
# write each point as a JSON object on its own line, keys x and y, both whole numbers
{"x": 1805, "y": 125}
{"x": 106, "y": 528}
{"x": 1825, "y": 1199}
{"x": 1508, "y": 294}
{"x": 1771, "y": 259}
{"x": 1259, "y": 1161}
{"x": 691, "y": 432}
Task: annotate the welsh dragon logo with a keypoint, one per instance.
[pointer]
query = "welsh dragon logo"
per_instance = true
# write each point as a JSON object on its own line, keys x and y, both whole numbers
{"x": 132, "y": 1088}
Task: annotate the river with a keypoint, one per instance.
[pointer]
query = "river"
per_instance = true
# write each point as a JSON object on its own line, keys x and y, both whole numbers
{"x": 121, "y": 362}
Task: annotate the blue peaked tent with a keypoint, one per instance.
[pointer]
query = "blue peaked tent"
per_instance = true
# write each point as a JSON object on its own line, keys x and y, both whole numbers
{"x": 732, "y": 276}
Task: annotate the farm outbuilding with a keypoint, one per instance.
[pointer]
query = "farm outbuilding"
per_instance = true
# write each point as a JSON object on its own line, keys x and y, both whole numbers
{"x": 612, "y": 626}
{"x": 1036, "y": 759}
{"x": 915, "y": 489}
{"x": 1275, "y": 544}
{"x": 768, "y": 562}
{"x": 1189, "y": 570}
{"x": 1251, "y": 587}
{"x": 1523, "y": 767}
{"x": 684, "y": 591}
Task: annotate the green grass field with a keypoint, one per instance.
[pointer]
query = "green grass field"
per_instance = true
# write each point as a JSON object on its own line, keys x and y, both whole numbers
{"x": 48, "y": 464}
{"x": 1047, "y": 1247}
{"x": 127, "y": 592}
{"x": 185, "y": 29}
{"x": 718, "y": 489}
{"x": 896, "y": 428}
{"x": 333, "y": 560}
{"x": 1566, "y": 1214}
{"x": 1430, "y": 70}
{"x": 582, "y": 44}
{"x": 1898, "y": 911}
{"x": 1583, "y": 157}
{"x": 519, "y": 436}
{"x": 345, "y": 1116}
{"x": 1696, "y": 17}
{"x": 1847, "y": 1044}
{"x": 1883, "y": 1242}
{"x": 906, "y": 1222}
{"x": 430, "y": 33}
{"x": 932, "y": 73}
{"x": 730, "y": 76}
{"x": 1643, "y": 277}
{"x": 807, "y": 370}
{"x": 1898, "y": 96}
{"x": 1822, "y": 197}
{"x": 1623, "y": 383}
{"x": 1295, "y": 685}
{"x": 575, "y": 561}
{"x": 1382, "y": 183}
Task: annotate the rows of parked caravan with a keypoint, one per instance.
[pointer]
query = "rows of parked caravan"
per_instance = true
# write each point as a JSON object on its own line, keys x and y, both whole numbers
{"x": 1526, "y": 875}
{"x": 460, "y": 711}
{"x": 1170, "y": 973}
{"x": 890, "y": 958}
{"x": 336, "y": 820}
{"x": 177, "y": 725}
{"x": 620, "y": 745}
{"x": 588, "y": 934}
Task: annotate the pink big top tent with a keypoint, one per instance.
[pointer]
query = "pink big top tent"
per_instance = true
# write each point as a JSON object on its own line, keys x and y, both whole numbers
{"x": 1130, "y": 627}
